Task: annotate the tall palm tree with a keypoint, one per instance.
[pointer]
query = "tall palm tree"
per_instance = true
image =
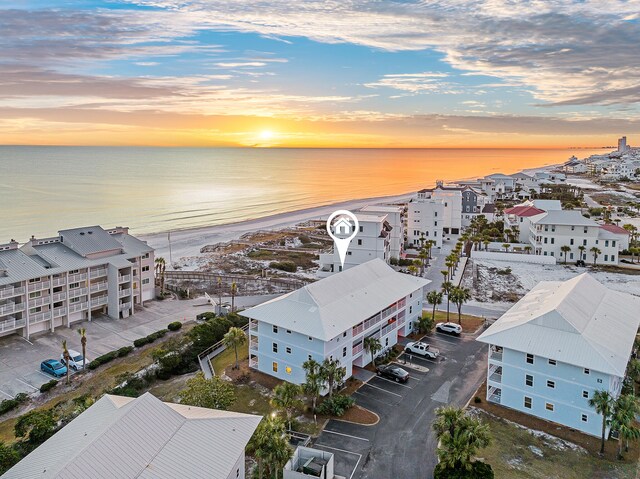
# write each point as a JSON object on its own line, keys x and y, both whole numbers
{"x": 446, "y": 287}
{"x": 565, "y": 249}
{"x": 234, "y": 338}
{"x": 623, "y": 416}
{"x": 286, "y": 397}
{"x": 582, "y": 249}
{"x": 434, "y": 298}
{"x": 332, "y": 373}
{"x": 506, "y": 246}
{"x": 66, "y": 356}
{"x": 633, "y": 372}
{"x": 459, "y": 296}
{"x": 602, "y": 402}
{"x": 486, "y": 242}
{"x": 413, "y": 269}
{"x": 528, "y": 249}
{"x": 424, "y": 256}
{"x": 270, "y": 446}
{"x": 83, "y": 340}
{"x": 595, "y": 252}
{"x": 160, "y": 267}
{"x": 219, "y": 295}
{"x": 234, "y": 291}
{"x": 372, "y": 346}
{"x": 313, "y": 381}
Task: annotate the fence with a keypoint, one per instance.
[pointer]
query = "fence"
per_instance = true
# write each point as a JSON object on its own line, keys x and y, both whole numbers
{"x": 205, "y": 357}
{"x": 240, "y": 280}
{"x": 513, "y": 257}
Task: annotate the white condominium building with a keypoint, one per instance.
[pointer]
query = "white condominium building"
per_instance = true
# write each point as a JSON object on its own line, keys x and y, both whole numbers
{"x": 331, "y": 319}
{"x": 425, "y": 218}
{"x": 451, "y": 198}
{"x": 64, "y": 279}
{"x": 372, "y": 241}
{"x": 395, "y": 217}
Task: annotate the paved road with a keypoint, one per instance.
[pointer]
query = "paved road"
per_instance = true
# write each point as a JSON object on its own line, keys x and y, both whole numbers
{"x": 402, "y": 445}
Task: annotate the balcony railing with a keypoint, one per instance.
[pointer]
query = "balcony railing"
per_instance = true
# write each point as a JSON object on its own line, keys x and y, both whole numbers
{"x": 34, "y": 303}
{"x": 59, "y": 281}
{"x": 124, "y": 292}
{"x": 11, "y": 308}
{"x": 124, "y": 279}
{"x": 357, "y": 348}
{"x": 253, "y": 363}
{"x": 74, "y": 278}
{"x": 40, "y": 285}
{"x": 59, "y": 312}
{"x": 97, "y": 273}
{"x": 10, "y": 292}
{"x": 75, "y": 307}
{"x": 495, "y": 354}
{"x": 74, "y": 293}
{"x": 495, "y": 375}
{"x": 59, "y": 297}
{"x": 357, "y": 329}
{"x": 11, "y": 324}
{"x": 125, "y": 306}
{"x": 253, "y": 325}
{"x": 38, "y": 318}
{"x": 102, "y": 286}
{"x": 99, "y": 301}
{"x": 495, "y": 395}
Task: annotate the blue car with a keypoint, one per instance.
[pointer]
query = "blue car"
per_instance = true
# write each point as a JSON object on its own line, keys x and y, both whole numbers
{"x": 53, "y": 367}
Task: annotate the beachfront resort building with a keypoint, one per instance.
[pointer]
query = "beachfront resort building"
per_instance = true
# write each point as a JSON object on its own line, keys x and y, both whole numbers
{"x": 425, "y": 217}
{"x": 143, "y": 437}
{"x": 58, "y": 281}
{"x": 396, "y": 218}
{"x": 331, "y": 319}
{"x": 372, "y": 241}
{"x": 557, "y": 346}
{"x": 451, "y": 198}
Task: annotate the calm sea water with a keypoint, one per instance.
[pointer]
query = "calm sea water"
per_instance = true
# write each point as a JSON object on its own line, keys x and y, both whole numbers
{"x": 44, "y": 189}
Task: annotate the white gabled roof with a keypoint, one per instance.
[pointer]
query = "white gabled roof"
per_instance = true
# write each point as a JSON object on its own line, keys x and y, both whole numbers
{"x": 562, "y": 217}
{"x": 126, "y": 438}
{"x": 334, "y": 304}
{"x": 579, "y": 322}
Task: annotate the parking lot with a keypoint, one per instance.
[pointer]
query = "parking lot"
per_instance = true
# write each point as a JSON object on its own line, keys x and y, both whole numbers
{"x": 402, "y": 444}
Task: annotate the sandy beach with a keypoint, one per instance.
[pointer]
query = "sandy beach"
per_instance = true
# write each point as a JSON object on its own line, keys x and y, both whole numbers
{"x": 187, "y": 242}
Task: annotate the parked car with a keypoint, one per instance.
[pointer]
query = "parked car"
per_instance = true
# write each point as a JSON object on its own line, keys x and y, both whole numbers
{"x": 76, "y": 360}
{"x": 53, "y": 367}
{"x": 394, "y": 372}
{"x": 422, "y": 349}
{"x": 449, "y": 328}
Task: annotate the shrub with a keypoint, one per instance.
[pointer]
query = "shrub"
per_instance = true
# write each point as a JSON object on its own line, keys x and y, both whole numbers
{"x": 122, "y": 352}
{"x": 48, "y": 385}
{"x": 174, "y": 326}
{"x": 336, "y": 405}
{"x": 393, "y": 261}
{"x": 138, "y": 343}
{"x": 304, "y": 239}
{"x": 237, "y": 320}
{"x": 207, "y": 334}
{"x": 105, "y": 358}
{"x": 150, "y": 338}
{"x": 288, "y": 266}
{"x": 479, "y": 470}
{"x": 10, "y": 404}
{"x": 477, "y": 400}
{"x": 206, "y": 316}
{"x": 405, "y": 262}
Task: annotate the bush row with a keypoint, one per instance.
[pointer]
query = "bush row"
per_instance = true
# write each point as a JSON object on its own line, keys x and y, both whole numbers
{"x": 288, "y": 266}
{"x": 174, "y": 326}
{"x": 49, "y": 385}
{"x": 9, "y": 404}
{"x": 110, "y": 356}
{"x": 150, "y": 339}
{"x": 336, "y": 405}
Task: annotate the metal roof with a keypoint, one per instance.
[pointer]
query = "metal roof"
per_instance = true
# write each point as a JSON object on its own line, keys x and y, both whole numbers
{"x": 122, "y": 438}
{"x": 89, "y": 240}
{"x": 579, "y": 322}
{"x": 334, "y": 304}
{"x": 562, "y": 217}
{"x": 547, "y": 205}
{"x": 522, "y": 210}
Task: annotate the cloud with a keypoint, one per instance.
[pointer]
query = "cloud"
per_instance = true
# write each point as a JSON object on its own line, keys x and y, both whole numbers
{"x": 240, "y": 64}
{"x": 425, "y": 82}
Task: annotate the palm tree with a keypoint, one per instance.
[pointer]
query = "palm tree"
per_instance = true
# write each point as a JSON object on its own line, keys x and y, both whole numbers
{"x": 234, "y": 291}
{"x": 313, "y": 381}
{"x": 459, "y": 296}
{"x": 595, "y": 251}
{"x": 582, "y": 249}
{"x": 372, "y": 346}
{"x": 528, "y": 249}
{"x": 565, "y": 249}
{"x": 270, "y": 446}
{"x": 506, "y": 246}
{"x": 66, "y": 356}
{"x": 486, "y": 242}
{"x": 424, "y": 256}
{"x": 160, "y": 267}
{"x": 446, "y": 287}
{"x": 235, "y": 337}
{"x": 413, "y": 270}
{"x": 332, "y": 373}
{"x": 286, "y": 397}
{"x": 445, "y": 275}
{"x": 83, "y": 340}
{"x": 602, "y": 402}
{"x": 434, "y": 298}
{"x": 219, "y": 295}
{"x": 623, "y": 415}
{"x": 418, "y": 264}
{"x": 633, "y": 372}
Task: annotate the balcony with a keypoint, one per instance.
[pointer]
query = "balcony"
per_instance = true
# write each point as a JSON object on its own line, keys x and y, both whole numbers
{"x": 495, "y": 354}
{"x": 42, "y": 300}
{"x": 59, "y": 281}
{"x": 494, "y": 395}
{"x": 59, "y": 312}
{"x": 74, "y": 293}
{"x": 74, "y": 278}
{"x": 39, "y": 286}
{"x": 59, "y": 297}
{"x": 75, "y": 307}
{"x": 253, "y": 362}
{"x": 11, "y": 324}
{"x": 495, "y": 374}
{"x": 125, "y": 306}
{"x": 11, "y": 292}
{"x": 102, "y": 300}
{"x": 357, "y": 329}
{"x": 11, "y": 308}
{"x": 253, "y": 325}
{"x": 98, "y": 273}
{"x": 40, "y": 317}
{"x": 124, "y": 292}
{"x": 102, "y": 286}
{"x": 124, "y": 279}
{"x": 357, "y": 348}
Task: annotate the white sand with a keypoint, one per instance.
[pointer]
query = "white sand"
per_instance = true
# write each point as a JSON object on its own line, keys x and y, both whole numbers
{"x": 187, "y": 242}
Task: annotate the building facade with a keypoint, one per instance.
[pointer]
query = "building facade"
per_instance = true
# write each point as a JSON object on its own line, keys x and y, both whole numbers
{"x": 58, "y": 281}
{"x": 396, "y": 218}
{"x": 451, "y": 198}
{"x": 425, "y": 218}
{"x": 558, "y": 345}
{"x": 331, "y": 318}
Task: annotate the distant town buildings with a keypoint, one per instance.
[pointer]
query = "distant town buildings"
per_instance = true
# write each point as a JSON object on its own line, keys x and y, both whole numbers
{"x": 622, "y": 144}
{"x": 621, "y": 164}
{"x": 58, "y": 281}
{"x": 557, "y": 346}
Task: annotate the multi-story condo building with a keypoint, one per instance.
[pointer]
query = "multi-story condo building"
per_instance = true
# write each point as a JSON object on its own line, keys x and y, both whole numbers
{"x": 474, "y": 203}
{"x": 451, "y": 197}
{"x": 557, "y": 346}
{"x": 517, "y": 219}
{"x": 64, "y": 279}
{"x": 331, "y": 318}
{"x": 425, "y": 218}
{"x": 551, "y": 230}
{"x": 396, "y": 218}
{"x": 372, "y": 241}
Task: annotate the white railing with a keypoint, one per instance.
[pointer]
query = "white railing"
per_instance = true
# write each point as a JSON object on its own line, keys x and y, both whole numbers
{"x": 59, "y": 297}
{"x": 75, "y": 307}
{"x": 99, "y": 301}
{"x": 11, "y": 324}
{"x": 33, "y": 303}
{"x": 11, "y": 308}
{"x": 59, "y": 312}
{"x": 357, "y": 348}
{"x": 495, "y": 395}
{"x": 124, "y": 279}
{"x": 77, "y": 277}
{"x": 495, "y": 355}
{"x": 74, "y": 293}
{"x": 124, "y": 306}
{"x": 357, "y": 329}
{"x": 40, "y": 285}
{"x": 253, "y": 363}
{"x": 59, "y": 281}
{"x": 124, "y": 292}
{"x": 253, "y": 346}
{"x": 10, "y": 292}
{"x": 97, "y": 273}
{"x": 37, "y": 318}
{"x": 99, "y": 286}
{"x": 253, "y": 325}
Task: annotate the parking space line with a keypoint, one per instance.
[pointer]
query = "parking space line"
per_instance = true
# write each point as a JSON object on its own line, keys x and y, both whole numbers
{"x": 30, "y": 385}
{"x": 382, "y": 389}
{"x": 46, "y": 375}
{"x": 346, "y": 435}
{"x": 6, "y": 394}
{"x": 420, "y": 358}
{"x": 392, "y": 382}
{"x": 346, "y": 452}
{"x": 386, "y": 403}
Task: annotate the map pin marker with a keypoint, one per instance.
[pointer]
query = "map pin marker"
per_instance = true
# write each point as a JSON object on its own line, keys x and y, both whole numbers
{"x": 342, "y": 231}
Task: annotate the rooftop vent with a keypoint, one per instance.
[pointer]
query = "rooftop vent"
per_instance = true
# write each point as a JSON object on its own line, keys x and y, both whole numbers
{"x": 82, "y": 233}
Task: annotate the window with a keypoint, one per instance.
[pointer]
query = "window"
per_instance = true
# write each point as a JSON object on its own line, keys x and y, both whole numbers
{"x": 288, "y": 369}
{"x": 361, "y": 229}
{"x": 527, "y": 402}
{"x": 37, "y": 310}
{"x": 529, "y": 358}
{"x": 36, "y": 294}
{"x": 288, "y": 331}
{"x": 145, "y": 281}
{"x": 585, "y": 229}
{"x": 274, "y": 366}
{"x": 275, "y": 329}
{"x": 571, "y": 242}
{"x": 613, "y": 243}
{"x": 600, "y": 381}
{"x": 145, "y": 269}
{"x": 584, "y": 418}
{"x": 551, "y": 384}
{"x": 309, "y": 357}
{"x": 585, "y": 394}
{"x": 545, "y": 241}
{"x": 586, "y": 371}
{"x": 606, "y": 243}
{"x": 274, "y": 347}
{"x": 552, "y": 362}
{"x": 359, "y": 242}
{"x": 606, "y": 257}
{"x": 528, "y": 380}
{"x": 344, "y": 352}
{"x": 74, "y": 285}
{"x": 145, "y": 256}
{"x": 310, "y": 338}
{"x": 548, "y": 406}
{"x": 553, "y": 241}
{"x": 288, "y": 349}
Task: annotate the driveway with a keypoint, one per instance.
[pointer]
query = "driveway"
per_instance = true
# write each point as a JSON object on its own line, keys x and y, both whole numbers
{"x": 402, "y": 445}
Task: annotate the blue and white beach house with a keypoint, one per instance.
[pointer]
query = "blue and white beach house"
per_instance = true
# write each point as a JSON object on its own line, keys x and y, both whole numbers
{"x": 558, "y": 345}
{"x": 331, "y": 318}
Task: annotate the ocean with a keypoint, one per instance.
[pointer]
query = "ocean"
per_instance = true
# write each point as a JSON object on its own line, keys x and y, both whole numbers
{"x": 44, "y": 189}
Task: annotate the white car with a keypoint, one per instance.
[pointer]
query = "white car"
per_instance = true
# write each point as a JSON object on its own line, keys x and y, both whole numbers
{"x": 76, "y": 360}
{"x": 450, "y": 328}
{"x": 422, "y": 349}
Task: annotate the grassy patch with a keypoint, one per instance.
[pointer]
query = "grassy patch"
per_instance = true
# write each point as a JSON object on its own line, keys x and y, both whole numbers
{"x": 516, "y": 454}
{"x": 302, "y": 260}
{"x": 249, "y": 400}
{"x": 227, "y": 358}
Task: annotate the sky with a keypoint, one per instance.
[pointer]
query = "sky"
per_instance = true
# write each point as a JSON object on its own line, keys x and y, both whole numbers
{"x": 302, "y": 73}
